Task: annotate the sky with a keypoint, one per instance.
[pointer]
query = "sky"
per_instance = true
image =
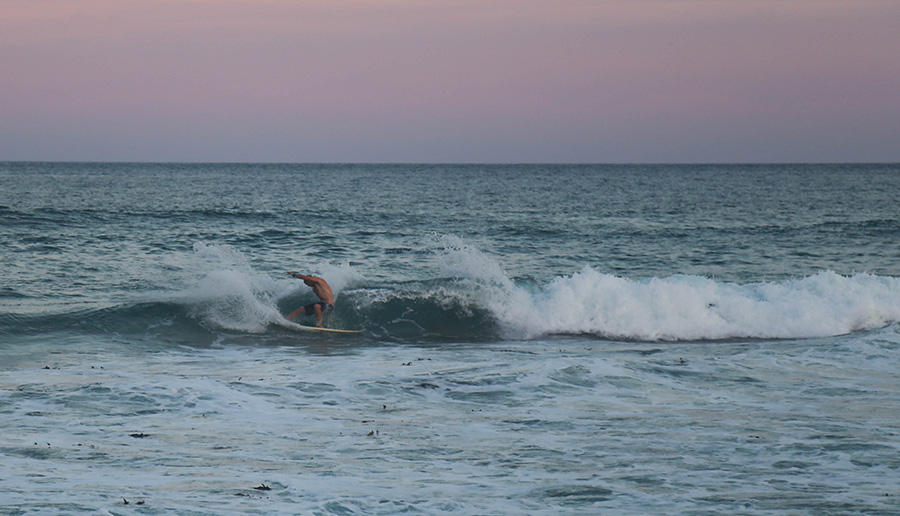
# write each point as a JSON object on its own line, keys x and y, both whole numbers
{"x": 450, "y": 81}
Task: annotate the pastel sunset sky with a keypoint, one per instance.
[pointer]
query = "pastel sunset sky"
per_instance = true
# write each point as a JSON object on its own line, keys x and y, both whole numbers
{"x": 510, "y": 81}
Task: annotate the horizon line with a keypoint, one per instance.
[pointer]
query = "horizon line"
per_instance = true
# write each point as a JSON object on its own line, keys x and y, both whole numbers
{"x": 475, "y": 163}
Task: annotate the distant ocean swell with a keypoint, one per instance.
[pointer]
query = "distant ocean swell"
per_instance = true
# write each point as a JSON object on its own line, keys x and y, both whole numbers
{"x": 474, "y": 299}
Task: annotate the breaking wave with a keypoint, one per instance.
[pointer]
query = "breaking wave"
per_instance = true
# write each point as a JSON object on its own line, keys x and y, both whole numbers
{"x": 473, "y": 298}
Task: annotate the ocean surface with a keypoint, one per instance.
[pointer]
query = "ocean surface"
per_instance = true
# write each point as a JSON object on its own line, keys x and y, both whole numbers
{"x": 537, "y": 339}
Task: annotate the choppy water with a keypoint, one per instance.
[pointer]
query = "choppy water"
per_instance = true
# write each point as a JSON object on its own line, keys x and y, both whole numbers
{"x": 538, "y": 339}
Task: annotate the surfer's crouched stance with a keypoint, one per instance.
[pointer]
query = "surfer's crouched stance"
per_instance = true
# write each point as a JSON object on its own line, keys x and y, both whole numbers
{"x": 321, "y": 309}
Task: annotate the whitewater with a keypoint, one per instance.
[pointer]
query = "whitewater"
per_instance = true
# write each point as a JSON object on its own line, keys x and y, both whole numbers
{"x": 478, "y": 296}
{"x": 537, "y": 339}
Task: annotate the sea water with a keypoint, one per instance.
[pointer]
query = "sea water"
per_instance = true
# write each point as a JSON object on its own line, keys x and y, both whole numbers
{"x": 538, "y": 339}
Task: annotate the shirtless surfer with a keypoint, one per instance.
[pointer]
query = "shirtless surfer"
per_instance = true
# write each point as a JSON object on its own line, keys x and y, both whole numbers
{"x": 321, "y": 289}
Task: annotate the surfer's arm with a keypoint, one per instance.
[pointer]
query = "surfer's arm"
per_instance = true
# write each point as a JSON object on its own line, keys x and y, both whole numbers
{"x": 304, "y": 277}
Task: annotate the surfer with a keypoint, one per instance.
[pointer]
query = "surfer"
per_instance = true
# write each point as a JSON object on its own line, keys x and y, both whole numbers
{"x": 321, "y": 309}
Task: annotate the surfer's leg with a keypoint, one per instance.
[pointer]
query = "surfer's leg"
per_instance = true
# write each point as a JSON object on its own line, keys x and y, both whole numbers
{"x": 317, "y": 308}
{"x": 296, "y": 313}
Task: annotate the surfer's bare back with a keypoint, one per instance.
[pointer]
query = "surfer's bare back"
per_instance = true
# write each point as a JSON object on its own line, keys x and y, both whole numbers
{"x": 321, "y": 289}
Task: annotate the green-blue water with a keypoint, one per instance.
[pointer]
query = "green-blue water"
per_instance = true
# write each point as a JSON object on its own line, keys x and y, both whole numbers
{"x": 540, "y": 339}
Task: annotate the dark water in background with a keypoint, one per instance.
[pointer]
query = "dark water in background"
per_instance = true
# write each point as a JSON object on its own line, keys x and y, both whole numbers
{"x": 633, "y": 339}
{"x": 743, "y": 223}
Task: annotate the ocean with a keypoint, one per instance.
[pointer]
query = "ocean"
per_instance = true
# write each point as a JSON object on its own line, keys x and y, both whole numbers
{"x": 537, "y": 339}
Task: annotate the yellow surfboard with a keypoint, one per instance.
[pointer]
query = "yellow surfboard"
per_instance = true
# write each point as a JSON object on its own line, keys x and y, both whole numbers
{"x": 300, "y": 327}
{"x": 326, "y": 330}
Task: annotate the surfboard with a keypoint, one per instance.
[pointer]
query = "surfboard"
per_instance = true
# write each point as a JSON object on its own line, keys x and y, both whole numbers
{"x": 300, "y": 327}
{"x": 326, "y": 330}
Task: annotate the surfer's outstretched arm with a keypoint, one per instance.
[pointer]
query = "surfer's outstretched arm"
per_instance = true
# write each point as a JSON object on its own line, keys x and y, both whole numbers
{"x": 318, "y": 285}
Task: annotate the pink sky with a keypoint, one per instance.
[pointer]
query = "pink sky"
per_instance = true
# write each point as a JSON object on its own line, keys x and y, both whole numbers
{"x": 450, "y": 80}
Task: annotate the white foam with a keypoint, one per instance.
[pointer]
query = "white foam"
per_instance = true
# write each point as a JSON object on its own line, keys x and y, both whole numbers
{"x": 231, "y": 299}
{"x": 691, "y": 307}
{"x": 339, "y": 277}
{"x": 460, "y": 260}
{"x": 679, "y": 307}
